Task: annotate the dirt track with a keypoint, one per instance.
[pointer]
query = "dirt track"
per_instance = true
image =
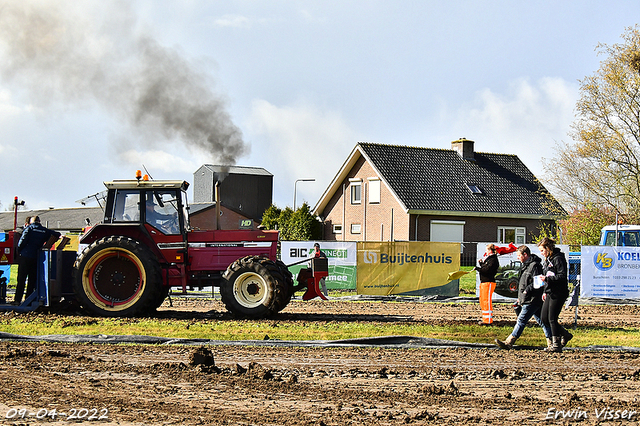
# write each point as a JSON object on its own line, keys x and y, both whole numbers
{"x": 144, "y": 385}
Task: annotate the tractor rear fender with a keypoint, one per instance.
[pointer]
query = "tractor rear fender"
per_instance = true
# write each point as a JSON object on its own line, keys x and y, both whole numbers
{"x": 134, "y": 231}
{"x": 211, "y": 251}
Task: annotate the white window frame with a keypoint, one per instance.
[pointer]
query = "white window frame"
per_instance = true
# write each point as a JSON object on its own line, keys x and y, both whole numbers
{"x": 353, "y": 184}
{"x": 337, "y": 228}
{"x": 520, "y": 233}
{"x": 356, "y": 228}
{"x": 474, "y": 188}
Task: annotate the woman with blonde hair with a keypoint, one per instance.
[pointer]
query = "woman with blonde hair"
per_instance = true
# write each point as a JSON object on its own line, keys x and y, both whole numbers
{"x": 556, "y": 291}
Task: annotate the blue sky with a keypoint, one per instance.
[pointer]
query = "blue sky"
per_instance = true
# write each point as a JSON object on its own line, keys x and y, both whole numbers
{"x": 296, "y": 83}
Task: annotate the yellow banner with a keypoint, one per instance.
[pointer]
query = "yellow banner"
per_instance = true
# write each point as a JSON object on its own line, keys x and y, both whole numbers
{"x": 386, "y": 268}
{"x": 72, "y": 245}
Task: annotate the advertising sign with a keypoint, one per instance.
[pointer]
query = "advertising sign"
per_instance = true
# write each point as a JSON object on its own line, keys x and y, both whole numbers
{"x": 386, "y": 268}
{"x": 610, "y": 272}
{"x": 5, "y": 272}
{"x": 341, "y": 256}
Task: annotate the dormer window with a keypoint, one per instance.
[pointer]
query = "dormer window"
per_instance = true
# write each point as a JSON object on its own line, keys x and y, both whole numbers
{"x": 475, "y": 189}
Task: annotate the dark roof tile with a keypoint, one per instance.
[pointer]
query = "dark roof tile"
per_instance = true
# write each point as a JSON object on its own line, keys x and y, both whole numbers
{"x": 436, "y": 179}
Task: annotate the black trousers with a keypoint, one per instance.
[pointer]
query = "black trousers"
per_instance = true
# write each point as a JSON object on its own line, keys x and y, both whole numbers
{"x": 27, "y": 270}
{"x": 551, "y": 308}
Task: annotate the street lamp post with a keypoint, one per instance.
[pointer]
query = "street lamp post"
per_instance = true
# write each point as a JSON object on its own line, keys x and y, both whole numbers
{"x": 295, "y": 188}
{"x": 16, "y": 203}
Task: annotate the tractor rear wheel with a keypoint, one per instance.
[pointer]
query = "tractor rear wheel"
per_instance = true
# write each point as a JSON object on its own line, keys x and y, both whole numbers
{"x": 158, "y": 300}
{"x": 117, "y": 276}
{"x": 254, "y": 287}
{"x": 285, "y": 292}
{"x": 512, "y": 285}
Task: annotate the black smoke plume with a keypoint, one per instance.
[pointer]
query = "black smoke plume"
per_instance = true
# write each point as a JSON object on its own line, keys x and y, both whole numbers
{"x": 59, "y": 53}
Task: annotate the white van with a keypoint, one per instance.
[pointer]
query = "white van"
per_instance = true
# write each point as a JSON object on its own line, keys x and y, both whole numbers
{"x": 628, "y": 235}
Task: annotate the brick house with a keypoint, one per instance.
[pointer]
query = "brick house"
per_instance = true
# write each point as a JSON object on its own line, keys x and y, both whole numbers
{"x": 401, "y": 193}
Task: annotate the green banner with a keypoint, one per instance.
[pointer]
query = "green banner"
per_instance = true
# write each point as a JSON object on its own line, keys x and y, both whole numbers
{"x": 341, "y": 256}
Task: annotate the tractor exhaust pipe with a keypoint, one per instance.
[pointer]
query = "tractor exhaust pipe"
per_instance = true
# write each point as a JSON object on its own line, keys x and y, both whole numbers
{"x": 217, "y": 200}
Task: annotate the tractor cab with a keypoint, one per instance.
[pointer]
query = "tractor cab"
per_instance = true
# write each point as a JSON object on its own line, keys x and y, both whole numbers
{"x": 152, "y": 214}
{"x": 158, "y": 204}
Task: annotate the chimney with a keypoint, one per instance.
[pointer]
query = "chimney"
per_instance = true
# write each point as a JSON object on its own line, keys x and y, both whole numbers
{"x": 464, "y": 147}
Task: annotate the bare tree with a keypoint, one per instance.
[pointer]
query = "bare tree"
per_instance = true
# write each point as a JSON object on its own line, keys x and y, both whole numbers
{"x": 602, "y": 167}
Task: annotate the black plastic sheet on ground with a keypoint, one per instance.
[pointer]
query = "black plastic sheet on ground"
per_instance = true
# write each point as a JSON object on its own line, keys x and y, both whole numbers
{"x": 384, "y": 341}
{"x": 405, "y": 342}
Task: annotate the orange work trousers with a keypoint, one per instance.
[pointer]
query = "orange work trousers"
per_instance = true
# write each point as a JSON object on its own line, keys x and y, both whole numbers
{"x": 486, "y": 294}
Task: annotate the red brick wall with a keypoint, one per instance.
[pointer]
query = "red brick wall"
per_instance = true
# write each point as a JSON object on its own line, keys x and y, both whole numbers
{"x": 374, "y": 218}
{"x": 479, "y": 228}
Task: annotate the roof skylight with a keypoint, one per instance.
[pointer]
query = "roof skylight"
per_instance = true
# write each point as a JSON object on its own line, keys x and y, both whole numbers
{"x": 475, "y": 189}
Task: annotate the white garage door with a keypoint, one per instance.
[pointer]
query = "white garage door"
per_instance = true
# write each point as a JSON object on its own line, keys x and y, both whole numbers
{"x": 447, "y": 231}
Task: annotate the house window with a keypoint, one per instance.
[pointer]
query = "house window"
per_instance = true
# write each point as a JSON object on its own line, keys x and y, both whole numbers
{"x": 374, "y": 191}
{"x": 356, "y": 192}
{"x": 337, "y": 229}
{"x": 475, "y": 189}
{"x": 356, "y": 228}
{"x": 509, "y": 234}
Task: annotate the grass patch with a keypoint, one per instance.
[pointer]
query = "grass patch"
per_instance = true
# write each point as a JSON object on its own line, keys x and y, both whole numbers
{"x": 468, "y": 282}
{"x": 39, "y": 324}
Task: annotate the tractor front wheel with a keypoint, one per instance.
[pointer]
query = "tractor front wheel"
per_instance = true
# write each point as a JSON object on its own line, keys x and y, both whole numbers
{"x": 254, "y": 287}
{"x": 117, "y": 276}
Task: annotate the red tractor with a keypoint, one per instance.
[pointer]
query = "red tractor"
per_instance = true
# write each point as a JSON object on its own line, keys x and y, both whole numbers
{"x": 144, "y": 246}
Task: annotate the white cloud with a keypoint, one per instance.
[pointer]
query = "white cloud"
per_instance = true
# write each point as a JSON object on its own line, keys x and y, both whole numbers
{"x": 8, "y": 151}
{"x": 8, "y": 109}
{"x": 9, "y": 112}
{"x": 528, "y": 120}
{"x": 304, "y": 142}
{"x": 312, "y": 16}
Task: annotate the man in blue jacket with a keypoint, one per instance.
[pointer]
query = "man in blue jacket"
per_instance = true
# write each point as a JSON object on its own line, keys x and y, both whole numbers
{"x": 32, "y": 240}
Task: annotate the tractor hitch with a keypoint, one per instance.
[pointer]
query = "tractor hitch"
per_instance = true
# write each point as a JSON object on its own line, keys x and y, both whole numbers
{"x": 313, "y": 276}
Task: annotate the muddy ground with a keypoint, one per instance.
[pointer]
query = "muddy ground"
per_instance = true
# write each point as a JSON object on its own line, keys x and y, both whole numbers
{"x": 244, "y": 385}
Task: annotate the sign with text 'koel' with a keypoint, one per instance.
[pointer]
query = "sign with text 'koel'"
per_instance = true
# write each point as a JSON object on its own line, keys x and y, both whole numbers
{"x": 610, "y": 272}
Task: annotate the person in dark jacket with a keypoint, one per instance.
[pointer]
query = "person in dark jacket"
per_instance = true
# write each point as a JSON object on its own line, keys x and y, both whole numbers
{"x": 487, "y": 270}
{"x": 32, "y": 240}
{"x": 319, "y": 253}
{"x": 529, "y": 297}
{"x": 556, "y": 291}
